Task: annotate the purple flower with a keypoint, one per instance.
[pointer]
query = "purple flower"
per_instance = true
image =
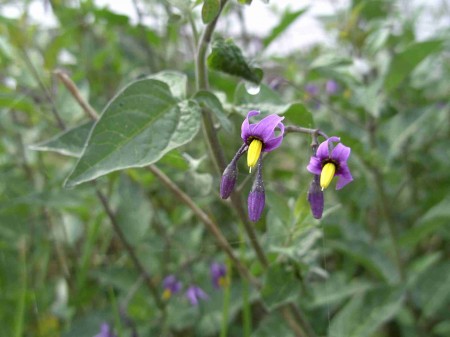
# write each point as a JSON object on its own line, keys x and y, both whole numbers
{"x": 330, "y": 161}
{"x": 258, "y": 137}
{"x": 105, "y": 331}
{"x": 171, "y": 286}
{"x": 257, "y": 196}
{"x": 311, "y": 90}
{"x": 331, "y": 87}
{"x": 315, "y": 197}
{"x": 219, "y": 275}
{"x": 194, "y": 294}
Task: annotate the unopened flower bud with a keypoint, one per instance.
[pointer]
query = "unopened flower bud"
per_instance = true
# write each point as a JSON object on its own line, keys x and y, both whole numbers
{"x": 315, "y": 197}
{"x": 229, "y": 177}
{"x": 257, "y": 196}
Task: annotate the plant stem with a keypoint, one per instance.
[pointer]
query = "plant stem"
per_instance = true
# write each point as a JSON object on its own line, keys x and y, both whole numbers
{"x": 210, "y": 225}
{"x": 300, "y": 129}
{"x": 130, "y": 250}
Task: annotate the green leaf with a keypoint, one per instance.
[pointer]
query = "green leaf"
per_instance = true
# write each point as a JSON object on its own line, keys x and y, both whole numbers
{"x": 404, "y": 62}
{"x": 280, "y": 287}
{"x": 299, "y": 115}
{"x": 227, "y": 57}
{"x": 134, "y": 212}
{"x": 68, "y": 143}
{"x": 210, "y": 10}
{"x": 364, "y": 314}
{"x": 139, "y": 126}
{"x": 371, "y": 258}
{"x": 287, "y": 19}
{"x": 431, "y": 221}
{"x": 176, "y": 81}
{"x": 270, "y": 326}
{"x": 209, "y": 100}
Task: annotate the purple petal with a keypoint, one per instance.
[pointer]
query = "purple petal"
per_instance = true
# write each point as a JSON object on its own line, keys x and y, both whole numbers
{"x": 322, "y": 151}
{"x": 228, "y": 180}
{"x": 340, "y": 154}
{"x": 315, "y": 198}
{"x": 344, "y": 176}
{"x": 265, "y": 129}
{"x": 247, "y": 128}
{"x": 315, "y": 166}
{"x": 273, "y": 143}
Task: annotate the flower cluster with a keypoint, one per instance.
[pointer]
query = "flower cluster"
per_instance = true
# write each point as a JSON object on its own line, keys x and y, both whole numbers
{"x": 258, "y": 137}
{"x": 194, "y": 294}
{"x": 329, "y": 160}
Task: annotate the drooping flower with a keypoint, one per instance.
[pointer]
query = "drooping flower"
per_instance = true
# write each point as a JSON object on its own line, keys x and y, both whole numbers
{"x": 105, "y": 331}
{"x": 331, "y": 161}
{"x": 315, "y": 197}
{"x": 219, "y": 275}
{"x": 331, "y": 87}
{"x": 257, "y": 196}
{"x": 171, "y": 286}
{"x": 194, "y": 294}
{"x": 258, "y": 137}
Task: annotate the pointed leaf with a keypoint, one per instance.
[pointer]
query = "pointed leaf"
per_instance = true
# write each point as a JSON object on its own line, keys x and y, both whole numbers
{"x": 68, "y": 143}
{"x": 287, "y": 19}
{"x": 280, "y": 287}
{"x": 139, "y": 126}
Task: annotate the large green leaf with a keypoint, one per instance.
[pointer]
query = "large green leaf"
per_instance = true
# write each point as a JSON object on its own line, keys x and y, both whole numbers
{"x": 139, "y": 126}
{"x": 363, "y": 315}
{"x": 209, "y": 100}
{"x": 287, "y": 19}
{"x": 404, "y": 62}
{"x": 69, "y": 143}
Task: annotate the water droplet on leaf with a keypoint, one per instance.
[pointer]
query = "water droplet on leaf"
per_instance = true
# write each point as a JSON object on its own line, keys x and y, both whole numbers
{"x": 252, "y": 88}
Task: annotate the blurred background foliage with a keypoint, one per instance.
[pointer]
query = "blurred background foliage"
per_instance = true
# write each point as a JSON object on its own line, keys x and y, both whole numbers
{"x": 377, "y": 264}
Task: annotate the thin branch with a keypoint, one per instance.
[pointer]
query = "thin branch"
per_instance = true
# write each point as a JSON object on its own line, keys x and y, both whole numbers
{"x": 299, "y": 129}
{"x": 207, "y": 221}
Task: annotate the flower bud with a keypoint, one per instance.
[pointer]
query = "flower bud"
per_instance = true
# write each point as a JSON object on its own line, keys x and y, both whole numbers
{"x": 315, "y": 198}
{"x": 229, "y": 177}
{"x": 257, "y": 196}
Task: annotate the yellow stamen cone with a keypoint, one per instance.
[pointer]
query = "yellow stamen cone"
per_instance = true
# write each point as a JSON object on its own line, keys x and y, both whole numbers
{"x": 166, "y": 294}
{"x": 254, "y": 151}
{"x": 327, "y": 175}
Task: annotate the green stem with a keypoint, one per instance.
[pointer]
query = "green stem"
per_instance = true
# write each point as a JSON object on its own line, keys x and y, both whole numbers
{"x": 21, "y": 300}
{"x": 226, "y": 302}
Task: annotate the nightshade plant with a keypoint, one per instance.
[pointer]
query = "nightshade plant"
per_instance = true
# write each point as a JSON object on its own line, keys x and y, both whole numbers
{"x": 99, "y": 235}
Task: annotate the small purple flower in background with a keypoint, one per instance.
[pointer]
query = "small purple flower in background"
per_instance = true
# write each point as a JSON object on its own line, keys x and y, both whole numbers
{"x": 194, "y": 294}
{"x": 219, "y": 275}
{"x": 105, "y": 331}
{"x": 315, "y": 197}
{"x": 311, "y": 90}
{"x": 171, "y": 286}
{"x": 331, "y": 87}
{"x": 330, "y": 161}
{"x": 258, "y": 137}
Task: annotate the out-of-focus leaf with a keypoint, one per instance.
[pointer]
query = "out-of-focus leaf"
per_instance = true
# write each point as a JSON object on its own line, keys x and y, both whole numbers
{"x": 176, "y": 81}
{"x": 280, "y": 287}
{"x": 279, "y": 206}
{"x": 210, "y": 10}
{"x": 432, "y": 290}
{"x": 68, "y": 143}
{"x": 432, "y": 220}
{"x": 298, "y": 114}
{"x": 134, "y": 212}
{"x": 287, "y": 19}
{"x": 330, "y": 60}
{"x": 371, "y": 258}
{"x": 227, "y": 57}
{"x": 139, "y": 126}
{"x": 270, "y": 326}
{"x": 405, "y": 61}
{"x": 365, "y": 314}
{"x": 209, "y": 100}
